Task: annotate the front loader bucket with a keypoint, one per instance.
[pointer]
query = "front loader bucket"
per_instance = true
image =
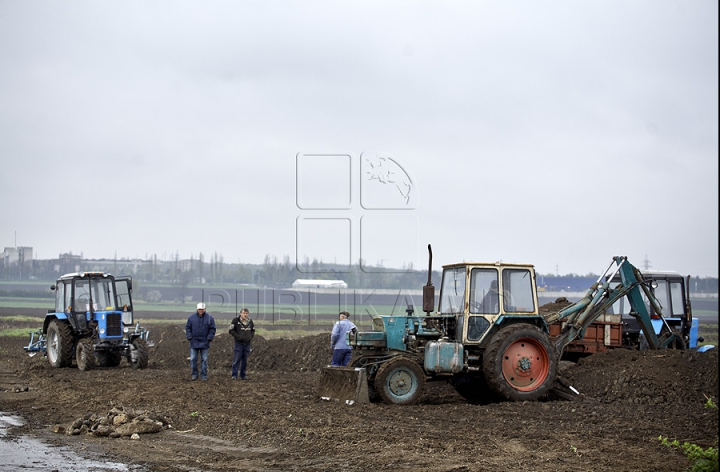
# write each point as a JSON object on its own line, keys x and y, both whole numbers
{"x": 345, "y": 384}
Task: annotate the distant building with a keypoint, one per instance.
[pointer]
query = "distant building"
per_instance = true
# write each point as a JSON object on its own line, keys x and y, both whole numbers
{"x": 16, "y": 255}
{"x": 310, "y": 283}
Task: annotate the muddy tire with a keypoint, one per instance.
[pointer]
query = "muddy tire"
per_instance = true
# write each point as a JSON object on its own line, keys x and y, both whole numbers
{"x": 400, "y": 381}
{"x": 520, "y": 363}
{"x": 108, "y": 358}
{"x": 59, "y": 347}
{"x": 138, "y": 354}
{"x": 85, "y": 354}
{"x": 678, "y": 343}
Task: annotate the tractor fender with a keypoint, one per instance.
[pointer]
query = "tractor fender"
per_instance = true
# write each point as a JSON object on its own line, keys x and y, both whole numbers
{"x": 503, "y": 321}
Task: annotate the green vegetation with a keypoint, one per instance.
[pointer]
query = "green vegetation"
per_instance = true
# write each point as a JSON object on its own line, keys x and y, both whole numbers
{"x": 16, "y": 332}
{"x": 710, "y": 333}
{"x": 701, "y": 460}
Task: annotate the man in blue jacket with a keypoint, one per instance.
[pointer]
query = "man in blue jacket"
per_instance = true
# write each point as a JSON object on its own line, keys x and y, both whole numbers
{"x": 200, "y": 330}
{"x": 341, "y": 351}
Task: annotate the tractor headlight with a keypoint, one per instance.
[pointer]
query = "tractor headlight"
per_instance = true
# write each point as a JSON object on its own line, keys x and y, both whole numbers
{"x": 102, "y": 330}
{"x": 126, "y": 330}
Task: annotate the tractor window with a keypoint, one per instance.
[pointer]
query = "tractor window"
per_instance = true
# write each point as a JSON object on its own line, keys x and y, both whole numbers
{"x": 662, "y": 294}
{"x": 103, "y": 295}
{"x": 517, "y": 291}
{"x": 82, "y": 296}
{"x": 124, "y": 302}
{"x": 68, "y": 297}
{"x": 60, "y": 298}
{"x": 123, "y": 293}
{"x": 452, "y": 291}
{"x": 477, "y": 325}
{"x": 676, "y": 295}
{"x": 484, "y": 297}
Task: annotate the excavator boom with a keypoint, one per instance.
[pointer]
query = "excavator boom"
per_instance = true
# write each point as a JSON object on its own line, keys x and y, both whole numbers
{"x": 601, "y": 296}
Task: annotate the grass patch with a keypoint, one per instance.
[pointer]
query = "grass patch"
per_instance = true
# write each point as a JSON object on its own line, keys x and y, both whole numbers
{"x": 23, "y": 318}
{"x": 710, "y": 333}
{"x": 16, "y": 332}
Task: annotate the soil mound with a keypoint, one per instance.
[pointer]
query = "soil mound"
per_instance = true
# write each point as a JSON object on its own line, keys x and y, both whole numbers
{"x": 648, "y": 377}
{"x": 172, "y": 350}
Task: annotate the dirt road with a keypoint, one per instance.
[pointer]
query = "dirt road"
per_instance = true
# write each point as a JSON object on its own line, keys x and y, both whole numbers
{"x": 276, "y": 422}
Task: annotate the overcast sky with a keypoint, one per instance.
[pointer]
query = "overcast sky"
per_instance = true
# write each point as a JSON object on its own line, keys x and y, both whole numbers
{"x": 557, "y": 133}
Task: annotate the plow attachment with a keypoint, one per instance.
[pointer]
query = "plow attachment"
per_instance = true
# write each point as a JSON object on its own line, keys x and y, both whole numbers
{"x": 37, "y": 342}
{"x": 345, "y": 384}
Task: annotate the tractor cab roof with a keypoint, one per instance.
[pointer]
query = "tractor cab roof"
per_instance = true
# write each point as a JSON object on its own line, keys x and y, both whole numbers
{"x": 489, "y": 264}
{"x": 87, "y": 275}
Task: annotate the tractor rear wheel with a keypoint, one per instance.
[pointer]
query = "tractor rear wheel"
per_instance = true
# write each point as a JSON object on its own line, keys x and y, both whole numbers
{"x": 59, "y": 347}
{"x": 520, "y": 362}
{"x": 400, "y": 381}
{"x": 138, "y": 354}
{"x": 85, "y": 354}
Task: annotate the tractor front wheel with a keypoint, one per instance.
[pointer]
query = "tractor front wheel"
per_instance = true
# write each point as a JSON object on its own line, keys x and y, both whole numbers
{"x": 108, "y": 358}
{"x": 520, "y": 362}
{"x": 138, "y": 354}
{"x": 85, "y": 354}
{"x": 59, "y": 347}
{"x": 400, "y": 381}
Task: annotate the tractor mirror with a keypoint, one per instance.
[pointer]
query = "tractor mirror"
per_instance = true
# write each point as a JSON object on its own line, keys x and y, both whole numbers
{"x": 428, "y": 298}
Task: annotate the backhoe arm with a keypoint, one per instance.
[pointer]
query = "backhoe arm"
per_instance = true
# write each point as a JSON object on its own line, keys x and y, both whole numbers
{"x": 600, "y": 297}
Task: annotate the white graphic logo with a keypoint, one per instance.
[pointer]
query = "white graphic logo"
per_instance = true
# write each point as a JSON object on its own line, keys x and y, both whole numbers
{"x": 350, "y": 215}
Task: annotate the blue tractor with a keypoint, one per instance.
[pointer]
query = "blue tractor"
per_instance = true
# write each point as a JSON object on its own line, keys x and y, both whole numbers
{"x": 92, "y": 322}
{"x": 488, "y": 337}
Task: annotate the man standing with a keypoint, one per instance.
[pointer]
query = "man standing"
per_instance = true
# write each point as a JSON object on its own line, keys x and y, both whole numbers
{"x": 200, "y": 330}
{"x": 242, "y": 329}
{"x": 341, "y": 351}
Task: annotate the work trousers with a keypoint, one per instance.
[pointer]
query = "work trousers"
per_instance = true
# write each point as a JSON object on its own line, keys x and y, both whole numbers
{"x": 240, "y": 357}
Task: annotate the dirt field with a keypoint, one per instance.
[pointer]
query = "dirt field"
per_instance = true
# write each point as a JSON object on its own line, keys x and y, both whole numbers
{"x": 276, "y": 422}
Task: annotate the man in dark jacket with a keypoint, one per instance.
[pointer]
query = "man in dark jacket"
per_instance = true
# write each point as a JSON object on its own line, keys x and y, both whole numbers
{"x": 242, "y": 329}
{"x": 200, "y": 330}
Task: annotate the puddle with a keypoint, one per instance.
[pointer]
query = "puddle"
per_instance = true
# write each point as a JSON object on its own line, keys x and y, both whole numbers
{"x": 22, "y": 453}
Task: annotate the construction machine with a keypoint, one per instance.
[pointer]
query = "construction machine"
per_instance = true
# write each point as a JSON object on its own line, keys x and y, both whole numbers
{"x": 487, "y": 336}
{"x": 618, "y": 327}
{"x": 92, "y": 322}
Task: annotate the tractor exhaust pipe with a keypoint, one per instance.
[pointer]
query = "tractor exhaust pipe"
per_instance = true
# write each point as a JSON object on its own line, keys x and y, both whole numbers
{"x": 428, "y": 289}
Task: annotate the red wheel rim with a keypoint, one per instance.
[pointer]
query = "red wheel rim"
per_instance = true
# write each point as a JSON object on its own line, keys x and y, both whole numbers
{"x": 525, "y": 364}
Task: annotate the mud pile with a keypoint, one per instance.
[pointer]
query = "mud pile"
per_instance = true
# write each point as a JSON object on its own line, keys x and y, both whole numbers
{"x": 648, "y": 377}
{"x": 172, "y": 350}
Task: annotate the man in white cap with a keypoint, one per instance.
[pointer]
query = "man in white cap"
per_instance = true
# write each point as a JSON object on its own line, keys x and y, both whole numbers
{"x": 200, "y": 330}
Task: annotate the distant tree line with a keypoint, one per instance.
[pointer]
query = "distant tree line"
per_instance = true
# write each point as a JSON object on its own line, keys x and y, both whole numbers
{"x": 273, "y": 272}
